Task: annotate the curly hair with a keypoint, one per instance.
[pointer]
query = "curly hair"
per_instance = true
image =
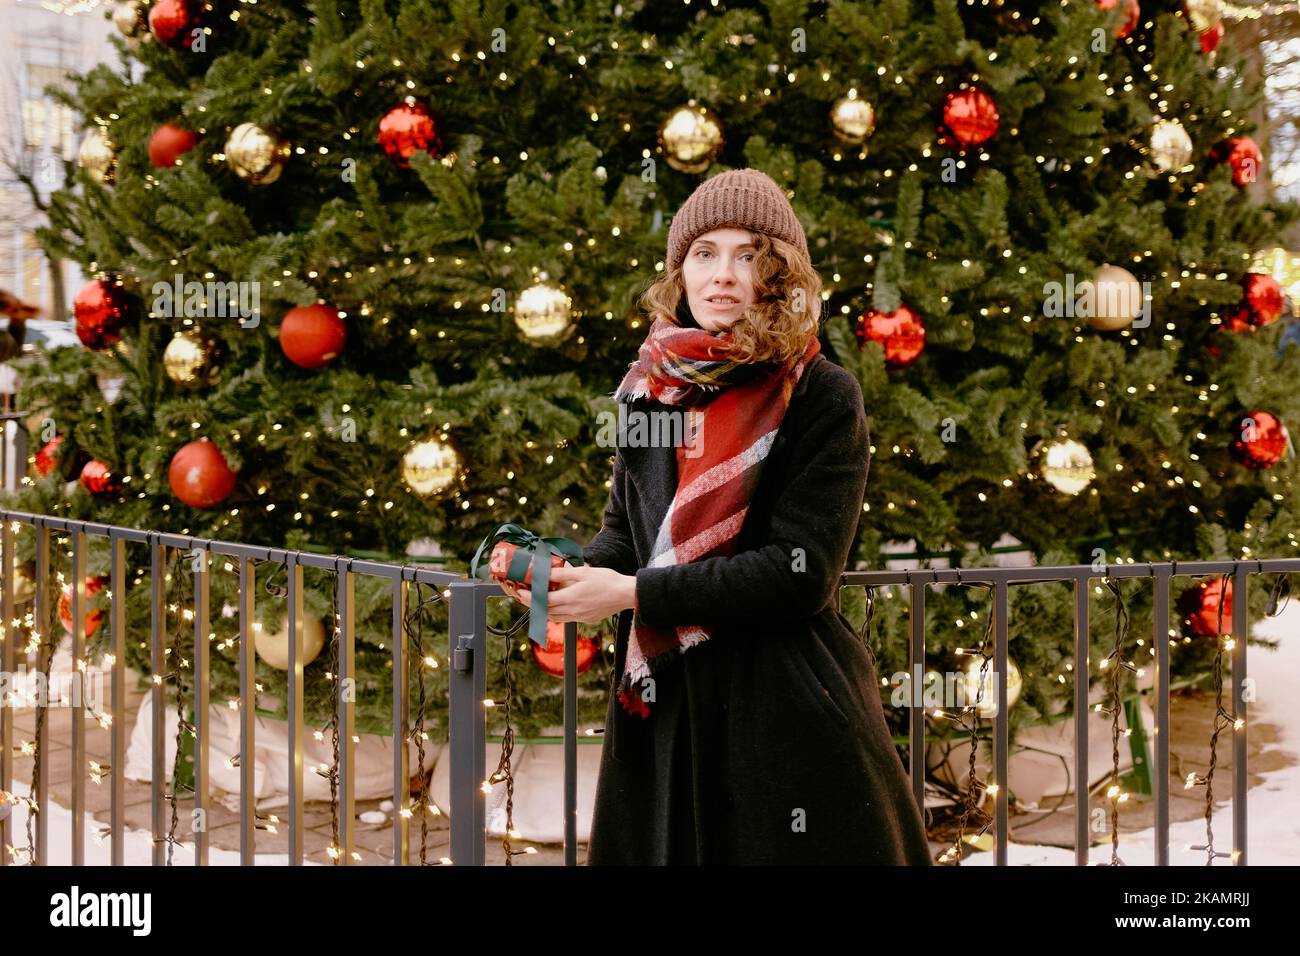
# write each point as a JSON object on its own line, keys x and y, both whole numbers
{"x": 785, "y": 311}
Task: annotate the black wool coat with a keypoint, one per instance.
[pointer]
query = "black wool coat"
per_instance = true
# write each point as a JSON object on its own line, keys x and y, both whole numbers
{"x": 766, "y": 743}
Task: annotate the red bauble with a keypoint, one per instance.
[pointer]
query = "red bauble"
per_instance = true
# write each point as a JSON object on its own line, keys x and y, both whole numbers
{"x": 100, "y": 308}
{"x": 92, "y": 617}
{"x": 51, "y": 453}
{"x": 1259, "y": 440}
{"x": 199, "y": 475}
{"x": 970, "y": 117}
{"x": 1198, "y": 607}
{"x": 1261, "y": 303}
{"x": 312, "y": 335}
{"x": 901, "y": 334}
{"x": 169, "y": 142}
{"x": 1211, "y": 37}
{"x": 99, "y": 479}
{"x": 1205, "y": 17}
{"x": 48, "y": 456}
{"x": 551, "y": 657}
{"x": 1243, "y": 155}
{"x": 406, "y": 129}
{"x": 172, "y": 22}
{"x": 1130, "y": 21}
{"x": 1262, "y": 298}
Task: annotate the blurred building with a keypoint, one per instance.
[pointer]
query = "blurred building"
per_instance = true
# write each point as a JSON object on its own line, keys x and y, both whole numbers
{"x": 44, "y": 42}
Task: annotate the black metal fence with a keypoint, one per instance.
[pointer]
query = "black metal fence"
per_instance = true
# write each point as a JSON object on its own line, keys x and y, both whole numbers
{"x": 467, "y": 649}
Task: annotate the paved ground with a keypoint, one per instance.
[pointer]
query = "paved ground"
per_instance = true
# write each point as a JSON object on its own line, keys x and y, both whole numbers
{"x": 1191, "y": 718}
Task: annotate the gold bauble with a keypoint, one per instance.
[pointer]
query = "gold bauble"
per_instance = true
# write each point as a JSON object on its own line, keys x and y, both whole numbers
{"x": 430, "y": 466}
{"x": 987, "y": 688}
{"x": 544, "y": 313}
{"x": 1204, "y": 14}
{"x": 97, "y": 154}
{"x": 1066, "y": 465}
{"x": 190, "y": 359}
{"x": 274, "y": 647}
{"x": 1171, "y": 147}
{"x": 852, "y": 119}
{"x": 1116, "y": 299}
{"x": 255, "y": 154}
{"x": 691, "y": 138}
{"x": 129, "y": 18}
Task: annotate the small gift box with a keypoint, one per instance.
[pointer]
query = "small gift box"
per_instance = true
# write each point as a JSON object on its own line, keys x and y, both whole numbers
{"x": 515, "y": 558}
{"x": 503, "y": 555}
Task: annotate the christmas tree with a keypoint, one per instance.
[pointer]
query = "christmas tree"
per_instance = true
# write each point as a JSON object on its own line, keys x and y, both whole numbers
{"x": 371, "y": 271}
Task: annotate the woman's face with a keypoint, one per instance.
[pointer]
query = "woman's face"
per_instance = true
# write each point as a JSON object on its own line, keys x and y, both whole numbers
{"x": 718, "y": 273}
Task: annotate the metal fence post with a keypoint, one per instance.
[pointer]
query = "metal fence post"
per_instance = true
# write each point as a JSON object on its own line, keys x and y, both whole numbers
{"x": 345, "y": 681}
{"x": 295, "y": 711}
{"x": 43, "y": 620}
{"x": 7, "y": 666}
{"x": 1160, "y": 636}
{"x": 78, "y": 714}
{"x": 1082, "y": 677}
{"x": 247, "y": 712}
{"x": 401, "y": 723}
{"x": 117, "y": 634}
{"x": 571, "y": 744}
{"x": 1001, "y": 726}
{"x": 1240, "y": 637}
{"x": 202, "y": 714}
{"x": 157, "y": 695}
{"x": 468, "y": 732}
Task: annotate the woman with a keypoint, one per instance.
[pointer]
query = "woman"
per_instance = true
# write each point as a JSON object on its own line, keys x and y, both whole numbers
{"x": 746, "y": 726}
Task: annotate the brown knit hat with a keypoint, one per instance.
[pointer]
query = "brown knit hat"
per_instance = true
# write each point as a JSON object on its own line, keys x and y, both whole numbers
{"x": 745, "y": 198}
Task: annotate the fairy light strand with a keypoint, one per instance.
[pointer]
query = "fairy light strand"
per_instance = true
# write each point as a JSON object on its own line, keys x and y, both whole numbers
{"x": 504, "y": 769}
{"x": 45, "y": 647}
{"x": 1114, "y": 665}
{"x": 335, "y": 851}
{"x": 176, "y": 674}
{"x": 968, "y": 719}
{"x": 1222, "y": 719}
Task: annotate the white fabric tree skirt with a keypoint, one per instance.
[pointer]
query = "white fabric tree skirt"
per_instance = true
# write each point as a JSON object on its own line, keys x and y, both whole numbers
{"x": 538, "y": 771}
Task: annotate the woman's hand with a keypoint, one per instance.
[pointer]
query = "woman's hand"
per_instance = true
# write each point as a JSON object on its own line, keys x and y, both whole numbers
{"x": 584, "y": 594}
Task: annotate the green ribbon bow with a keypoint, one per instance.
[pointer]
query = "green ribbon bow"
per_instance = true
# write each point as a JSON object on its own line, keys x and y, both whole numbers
{"x": 534, "y": 550}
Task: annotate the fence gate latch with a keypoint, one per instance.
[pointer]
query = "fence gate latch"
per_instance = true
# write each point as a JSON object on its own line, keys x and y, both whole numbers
{"x": 462, "y": 657}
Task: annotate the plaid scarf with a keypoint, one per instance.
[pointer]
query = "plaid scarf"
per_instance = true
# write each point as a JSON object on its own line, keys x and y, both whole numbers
{"x": 742, "y": 406}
